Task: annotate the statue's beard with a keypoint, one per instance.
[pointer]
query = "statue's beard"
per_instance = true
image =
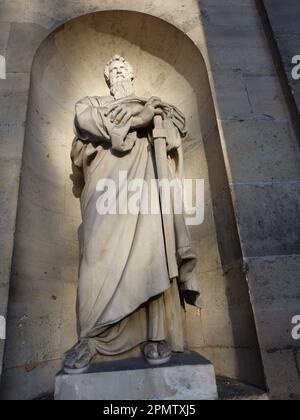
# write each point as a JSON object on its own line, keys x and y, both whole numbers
{"x": 122, "y": 89}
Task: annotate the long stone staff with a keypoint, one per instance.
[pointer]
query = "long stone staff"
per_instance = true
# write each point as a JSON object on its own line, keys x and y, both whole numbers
{"x": 160, "y": 147}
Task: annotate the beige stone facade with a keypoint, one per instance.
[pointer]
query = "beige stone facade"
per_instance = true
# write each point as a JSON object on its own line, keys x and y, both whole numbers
{"x": 215, "y": 56}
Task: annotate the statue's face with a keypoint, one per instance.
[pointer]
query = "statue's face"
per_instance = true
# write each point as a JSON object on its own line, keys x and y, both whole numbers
{"x": 118, "y": 72}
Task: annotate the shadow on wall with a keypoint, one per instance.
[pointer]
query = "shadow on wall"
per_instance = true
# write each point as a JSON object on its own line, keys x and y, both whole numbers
{"x": 69, "y": 66}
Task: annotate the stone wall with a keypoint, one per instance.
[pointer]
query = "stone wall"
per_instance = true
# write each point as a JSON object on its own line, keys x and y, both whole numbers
{"x": 282, "y": 18}
{"x": 254, "y": 148}
{"x": 262, "y": 157}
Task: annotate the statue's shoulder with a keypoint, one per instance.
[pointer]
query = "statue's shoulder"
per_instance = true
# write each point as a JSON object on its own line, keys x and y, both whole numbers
{"x": 97, "y": 101}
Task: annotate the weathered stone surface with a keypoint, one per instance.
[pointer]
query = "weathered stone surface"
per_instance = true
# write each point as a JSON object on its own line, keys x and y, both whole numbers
{"x": 230, "y": 390}
{"x": 12, "y": 138}
{"x": 226, "y": 229}
{"x": 212, "y": 262}
{"x": 9, "y": 173}
{"x": 6, "y": 247}
{"x": 221, "y": 13}
{"x": 33, "y": 380}
{"x": 276, "y": 300}
{"x": 296, "y": 94}
{"x": 289, "y": 47}
{"x": 23, "y": 42}
{"x": 256, "y": 58}
{"x": 226, "y": 362}
{"x": 283, "y": 21}
{"x": 282, "y": 372}
{"x": 260, "y": 151}
{"x": 284, "y": 15}
{"x": 7, "y": 201}
{"x": 55, "y": 13}
{"x": 268, "y": 215}
{"x": 4, "y": 35}
{"x": 51, "y": 258}
{"x": 229, "y": 3}
{"x": 266, "y": 98}
{"x": 41, "y": 188}
{"x": 186, "y": 377}
{"x": 2, "y": 345}
{"x": 217, "y": 176}
{"x": 231, "y": 95}
{"x": 14, "y": 83}
{"x": 12, "y": 11}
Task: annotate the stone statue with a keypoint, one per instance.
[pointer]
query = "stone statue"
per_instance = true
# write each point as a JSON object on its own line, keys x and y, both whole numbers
{"x": 126, "y": 297}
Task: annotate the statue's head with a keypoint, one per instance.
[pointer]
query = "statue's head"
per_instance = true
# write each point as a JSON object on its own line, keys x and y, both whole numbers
{"x": 119, "y": 77}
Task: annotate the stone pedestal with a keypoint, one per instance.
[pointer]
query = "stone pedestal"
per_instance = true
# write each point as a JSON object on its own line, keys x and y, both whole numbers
{"x": 186, "y": 377}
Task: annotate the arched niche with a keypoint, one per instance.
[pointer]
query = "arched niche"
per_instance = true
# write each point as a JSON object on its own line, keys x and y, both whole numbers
{"x": 69, "y": 66}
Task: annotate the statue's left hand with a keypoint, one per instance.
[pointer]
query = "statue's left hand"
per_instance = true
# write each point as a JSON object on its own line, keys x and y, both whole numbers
{"x": 152, "y": 107}
{"x": 119, "y": 114}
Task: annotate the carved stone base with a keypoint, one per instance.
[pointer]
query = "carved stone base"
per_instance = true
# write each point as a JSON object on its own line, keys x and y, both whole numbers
{"x": 185, "y": 377}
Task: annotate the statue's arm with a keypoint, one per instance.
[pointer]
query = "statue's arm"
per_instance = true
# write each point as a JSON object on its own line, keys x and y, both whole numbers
{"x": 136, "y": 115}
{"x": 91, "y": 123}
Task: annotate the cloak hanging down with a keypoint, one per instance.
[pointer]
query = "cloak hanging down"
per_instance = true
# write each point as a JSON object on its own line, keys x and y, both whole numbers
{"x": 123, "y": 262}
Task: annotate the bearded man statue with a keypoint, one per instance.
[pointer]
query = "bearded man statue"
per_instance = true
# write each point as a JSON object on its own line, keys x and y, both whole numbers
{"x": 126, "y": 296}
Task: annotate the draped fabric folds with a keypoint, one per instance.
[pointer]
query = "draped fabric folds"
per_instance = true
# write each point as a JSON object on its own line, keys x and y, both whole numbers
{"x": 125, "y": 296}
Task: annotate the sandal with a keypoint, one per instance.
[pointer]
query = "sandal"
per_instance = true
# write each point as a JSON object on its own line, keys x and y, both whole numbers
{"x": 157, "y": 353}
{"x": 78, "y": 359}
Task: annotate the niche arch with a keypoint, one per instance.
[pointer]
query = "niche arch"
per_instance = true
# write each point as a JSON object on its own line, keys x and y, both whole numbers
{"x": 68, "y": 66}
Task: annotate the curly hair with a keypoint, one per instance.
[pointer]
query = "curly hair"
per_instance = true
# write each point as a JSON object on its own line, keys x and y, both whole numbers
{"x": 111, "y": 61}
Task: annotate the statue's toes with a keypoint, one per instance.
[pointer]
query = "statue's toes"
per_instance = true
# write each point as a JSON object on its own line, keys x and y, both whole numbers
{"x": 164, "y": 349}
{"x": 83, "y": 361}
{"x": 150, "y": 351}
{"x": 70, "y": 360}
{"x": 157, "y": 353}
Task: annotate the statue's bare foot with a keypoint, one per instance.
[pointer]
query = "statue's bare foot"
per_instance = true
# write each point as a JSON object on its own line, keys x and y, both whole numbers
{"x": 157, "y": 353}
{"x": 78, "y": 359}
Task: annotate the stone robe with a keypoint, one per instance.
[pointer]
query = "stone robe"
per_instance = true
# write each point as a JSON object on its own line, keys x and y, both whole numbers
{"x": 125, "y": 296}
